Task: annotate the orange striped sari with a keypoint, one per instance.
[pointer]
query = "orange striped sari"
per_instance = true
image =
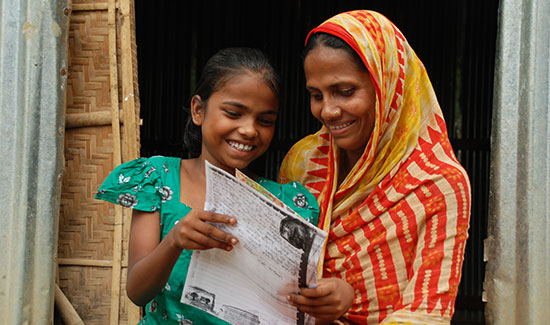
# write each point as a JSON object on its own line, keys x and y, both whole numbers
{"x": 398, "y": 222}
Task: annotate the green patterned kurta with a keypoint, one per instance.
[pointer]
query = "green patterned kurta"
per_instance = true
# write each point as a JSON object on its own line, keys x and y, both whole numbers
{"x": 153, "y": 184}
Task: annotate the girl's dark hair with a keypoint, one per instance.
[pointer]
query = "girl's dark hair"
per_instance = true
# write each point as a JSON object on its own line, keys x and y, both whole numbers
{"x": 332, "y": 42}
{"x": 219, "y": 69}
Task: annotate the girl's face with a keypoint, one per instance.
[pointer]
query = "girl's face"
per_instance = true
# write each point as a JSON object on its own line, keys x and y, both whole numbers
{"x": 343, "y": 97}
{"x": 238, "y": 121}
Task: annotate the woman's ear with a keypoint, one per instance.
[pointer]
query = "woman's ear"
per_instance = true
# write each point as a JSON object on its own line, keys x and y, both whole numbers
{"x": 197, "y": 110}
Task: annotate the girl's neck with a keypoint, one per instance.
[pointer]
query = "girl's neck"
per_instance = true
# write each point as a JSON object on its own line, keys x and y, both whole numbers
{"x": 192, "y": 182}
{"x": 201, "y": 163}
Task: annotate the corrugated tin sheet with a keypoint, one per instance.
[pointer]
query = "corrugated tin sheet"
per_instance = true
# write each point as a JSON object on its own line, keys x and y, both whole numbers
{"x": 32, "y": 86}
{"x": 517, "y": 281}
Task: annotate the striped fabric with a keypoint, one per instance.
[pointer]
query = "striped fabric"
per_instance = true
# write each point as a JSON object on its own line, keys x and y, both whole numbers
{"x": 398, "y": 222}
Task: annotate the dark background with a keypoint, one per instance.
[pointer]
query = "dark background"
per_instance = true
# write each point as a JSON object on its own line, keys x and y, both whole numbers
{"x": 454, "y": 39}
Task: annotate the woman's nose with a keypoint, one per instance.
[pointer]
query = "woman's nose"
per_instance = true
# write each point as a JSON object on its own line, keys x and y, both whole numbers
{"x": 330, "y": 110}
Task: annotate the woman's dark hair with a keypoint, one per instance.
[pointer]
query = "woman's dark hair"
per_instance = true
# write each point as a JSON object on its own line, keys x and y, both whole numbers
{"x": 219, "y": 69}
{"x": 332, "y": 42}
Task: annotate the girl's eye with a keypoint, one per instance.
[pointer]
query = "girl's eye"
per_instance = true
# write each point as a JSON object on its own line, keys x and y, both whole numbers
{"x": 266, "y": 122}
{"x": 232, "y": 113}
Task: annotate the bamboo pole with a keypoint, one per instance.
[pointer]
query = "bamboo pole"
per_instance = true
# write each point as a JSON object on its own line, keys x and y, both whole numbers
{"x": 87, "y": 262}
{"x": 78, "y": 120}
{"x": 90, "y": 6}
{"x": 66, "y": 310}
{"x": 59, "y": 297}
{"x": 117, "y": 159}
{"x": 128, "y": 102}
{"x": 129, "y": 109}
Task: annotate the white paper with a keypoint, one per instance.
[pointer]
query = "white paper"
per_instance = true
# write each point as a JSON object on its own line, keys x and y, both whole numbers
{"x": 249, "y": 285}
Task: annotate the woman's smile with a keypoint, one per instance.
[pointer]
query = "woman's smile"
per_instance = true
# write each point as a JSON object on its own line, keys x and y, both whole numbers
{"x": 338, "y": 127}
{"x": 343, "y": 97}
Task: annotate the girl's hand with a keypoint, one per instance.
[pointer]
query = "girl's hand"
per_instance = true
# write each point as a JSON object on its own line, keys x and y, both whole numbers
{"x": 331, "y": 299}
{"x": 194, "y": 232}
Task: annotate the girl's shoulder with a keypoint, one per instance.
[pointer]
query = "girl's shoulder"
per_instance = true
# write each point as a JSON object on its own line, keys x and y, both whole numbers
{"x": 295, "y": 196}
{"x": 139, "y": 184}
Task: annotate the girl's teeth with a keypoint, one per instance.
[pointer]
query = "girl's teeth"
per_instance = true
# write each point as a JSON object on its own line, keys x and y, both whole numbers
{"x": 240, "y": 146}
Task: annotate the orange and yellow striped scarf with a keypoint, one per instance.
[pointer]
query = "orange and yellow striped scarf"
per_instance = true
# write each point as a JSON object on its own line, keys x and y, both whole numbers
{"x": 398, "y": 222}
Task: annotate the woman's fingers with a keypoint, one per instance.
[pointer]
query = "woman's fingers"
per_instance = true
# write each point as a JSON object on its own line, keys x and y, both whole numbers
{"x": 328, "y": 301}
{"x": 320, "y": 308}
{"x": 324, "y": 288}
{"x": 300, "y": 300}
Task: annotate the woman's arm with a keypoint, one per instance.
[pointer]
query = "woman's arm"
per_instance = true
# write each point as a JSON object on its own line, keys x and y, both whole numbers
{"x": 150, "y": 261}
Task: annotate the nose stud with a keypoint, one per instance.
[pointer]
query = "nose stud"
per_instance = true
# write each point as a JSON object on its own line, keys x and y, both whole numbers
{"x": 335, "y": 112}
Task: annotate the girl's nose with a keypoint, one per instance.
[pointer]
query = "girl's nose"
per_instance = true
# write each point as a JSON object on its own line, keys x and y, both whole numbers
{"x": 248, "y": 130}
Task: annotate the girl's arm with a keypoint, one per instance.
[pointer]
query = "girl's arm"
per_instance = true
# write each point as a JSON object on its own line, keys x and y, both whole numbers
{"x": 327, "y": 302}
{"x": 150, "y": 261}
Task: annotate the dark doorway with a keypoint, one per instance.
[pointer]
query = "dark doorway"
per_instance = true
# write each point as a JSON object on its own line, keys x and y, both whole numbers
{"x": 455, "y": 41}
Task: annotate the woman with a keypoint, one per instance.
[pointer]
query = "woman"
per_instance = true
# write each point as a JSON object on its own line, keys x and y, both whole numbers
{"x": 393, "y": 197}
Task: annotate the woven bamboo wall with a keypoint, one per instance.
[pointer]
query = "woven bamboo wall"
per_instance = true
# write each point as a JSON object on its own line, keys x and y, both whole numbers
{"x": 102, "y": 115}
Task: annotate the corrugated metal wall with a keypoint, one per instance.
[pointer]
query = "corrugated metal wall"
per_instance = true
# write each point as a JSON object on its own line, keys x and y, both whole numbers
{"x": 32, "y": 85}
{"x": 518, "y": 249}
{"x": 455, "y": 40}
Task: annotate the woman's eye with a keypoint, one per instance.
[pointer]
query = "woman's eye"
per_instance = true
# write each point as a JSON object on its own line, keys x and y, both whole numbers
{"x": 347, "y": 92}
{"x": 316, "y": 96}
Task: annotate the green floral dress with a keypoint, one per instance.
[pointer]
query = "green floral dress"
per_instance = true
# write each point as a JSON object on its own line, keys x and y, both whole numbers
{"x": 153, "y": 184}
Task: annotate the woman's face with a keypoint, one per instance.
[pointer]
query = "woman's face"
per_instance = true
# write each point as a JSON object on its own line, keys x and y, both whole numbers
{"x": 343, "y": 97}
{"x": 238, "y": 121}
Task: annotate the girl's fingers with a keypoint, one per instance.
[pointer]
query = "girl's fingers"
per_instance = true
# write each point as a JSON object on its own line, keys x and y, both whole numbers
{"x": 217, "y": 218}
{"x": 197, "y": 232}
{"x": 211, "y": 231}
{"x": 199, "y": 239}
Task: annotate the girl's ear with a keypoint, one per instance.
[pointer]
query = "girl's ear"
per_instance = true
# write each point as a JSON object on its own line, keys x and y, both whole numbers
{"x": 197, "y": 110}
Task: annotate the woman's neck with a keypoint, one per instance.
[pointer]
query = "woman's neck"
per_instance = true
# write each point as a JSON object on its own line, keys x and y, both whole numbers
{"x": 348, "y": 159}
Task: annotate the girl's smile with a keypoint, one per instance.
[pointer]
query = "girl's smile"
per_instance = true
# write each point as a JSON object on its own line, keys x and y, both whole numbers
{"x": 240, "y": 146}
{"x": 237, "y": 121}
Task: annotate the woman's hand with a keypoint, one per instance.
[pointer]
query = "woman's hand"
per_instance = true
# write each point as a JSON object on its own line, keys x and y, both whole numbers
{"x": 327, "y": 302}
{"x": 195, "y": 232}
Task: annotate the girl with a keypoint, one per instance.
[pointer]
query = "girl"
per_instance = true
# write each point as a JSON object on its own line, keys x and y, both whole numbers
{"x": 231, "y": 123}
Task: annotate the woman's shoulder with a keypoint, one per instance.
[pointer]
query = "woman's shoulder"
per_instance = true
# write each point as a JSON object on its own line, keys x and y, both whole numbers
{"x": 294, "y": 165}
{"x": 308, "y": 141}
